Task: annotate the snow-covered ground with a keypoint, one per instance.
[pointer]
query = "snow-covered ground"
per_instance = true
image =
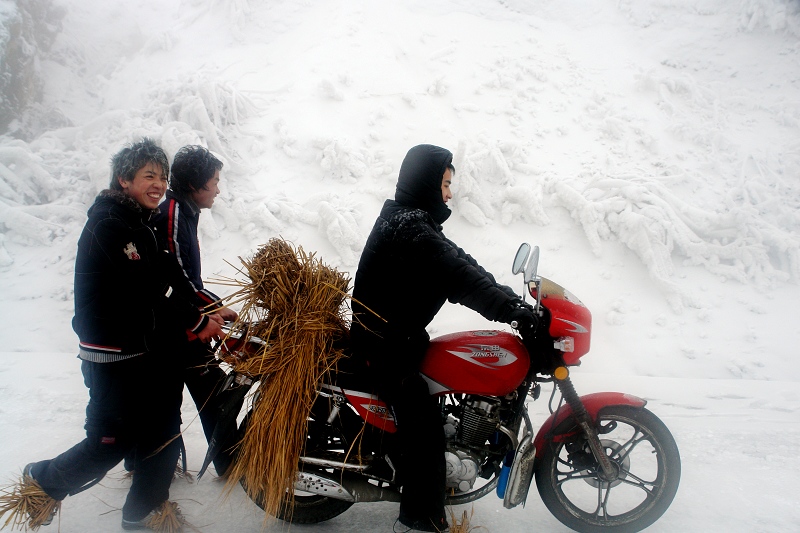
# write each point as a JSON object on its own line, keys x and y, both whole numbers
{"x": 651, "y": 148}
{"x": 738, "y": 442}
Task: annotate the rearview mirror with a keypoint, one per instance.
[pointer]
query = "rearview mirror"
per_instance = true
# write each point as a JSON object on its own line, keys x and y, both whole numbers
{"x": 533, "y": 265}
{"x": 522, "y": 256}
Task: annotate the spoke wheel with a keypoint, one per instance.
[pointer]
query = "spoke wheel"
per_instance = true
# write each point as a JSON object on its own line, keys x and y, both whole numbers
{"x": 647, "y": 464}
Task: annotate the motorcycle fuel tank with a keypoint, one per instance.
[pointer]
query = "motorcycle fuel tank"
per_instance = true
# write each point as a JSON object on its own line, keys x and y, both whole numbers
{"x": 486, "y": 362}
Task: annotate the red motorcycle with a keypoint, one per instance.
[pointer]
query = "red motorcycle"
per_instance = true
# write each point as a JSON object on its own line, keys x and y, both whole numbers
{"x": 602, "y": 462}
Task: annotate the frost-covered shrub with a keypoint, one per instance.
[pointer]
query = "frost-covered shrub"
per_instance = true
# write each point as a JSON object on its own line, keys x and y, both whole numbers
{"x": 201, "y": 106}
{"x": 734, "y": 241}
{"x": 772, "y": 15}
{"x": 27, "y": 31}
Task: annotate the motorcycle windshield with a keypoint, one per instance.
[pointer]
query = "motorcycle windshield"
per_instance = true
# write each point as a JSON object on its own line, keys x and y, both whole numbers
{"x": 569, "y": 317}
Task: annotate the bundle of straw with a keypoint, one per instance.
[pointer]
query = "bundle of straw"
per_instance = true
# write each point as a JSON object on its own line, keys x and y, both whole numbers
{"x": 166, "y": 519}
{"x": 28, "y": 505}
{"x": 296, "y": 304}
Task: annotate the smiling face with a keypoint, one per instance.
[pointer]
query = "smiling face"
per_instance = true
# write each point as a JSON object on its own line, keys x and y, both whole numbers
{"x": 147, "y": 186}
{"x": 204, "y": 197}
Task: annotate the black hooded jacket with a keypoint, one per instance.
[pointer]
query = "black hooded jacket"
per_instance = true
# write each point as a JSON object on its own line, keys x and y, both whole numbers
{"x": 130, "y": 296}
{"x": 409, "y": 268}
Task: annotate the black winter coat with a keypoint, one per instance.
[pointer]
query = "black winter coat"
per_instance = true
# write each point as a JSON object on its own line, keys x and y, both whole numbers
{"x": 409, "y": 268}
{"x": 130, "y": 297}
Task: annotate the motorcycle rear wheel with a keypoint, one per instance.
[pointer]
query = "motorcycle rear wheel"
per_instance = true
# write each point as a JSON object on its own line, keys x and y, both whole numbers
{"x": 644, "y": 452}
{"x": 307, "y": 508}
{"x": 310, "y": 509}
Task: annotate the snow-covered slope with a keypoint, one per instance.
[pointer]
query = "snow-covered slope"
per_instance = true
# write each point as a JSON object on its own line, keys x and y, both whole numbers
{"x": 650, "y": 148}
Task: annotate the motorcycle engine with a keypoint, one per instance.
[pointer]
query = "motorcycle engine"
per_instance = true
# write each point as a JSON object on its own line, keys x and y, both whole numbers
{"x": 478, "y": 420}
{"x": 480, "y": 417}
{"x": 462, "y": 470}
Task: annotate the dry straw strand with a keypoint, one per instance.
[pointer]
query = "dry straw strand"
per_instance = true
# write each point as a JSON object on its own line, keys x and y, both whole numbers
{"x": 297, "y": 305}
{"x": 463, "y": 525}
{"x": 167, "y": 518}
{"x": 28, "y": 505}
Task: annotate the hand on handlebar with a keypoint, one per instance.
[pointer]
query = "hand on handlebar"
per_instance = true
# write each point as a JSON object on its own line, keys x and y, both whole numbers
{"x": 216, "y": 317}
{"x": 227, "y": 314}
{"x": 522, "y": 317}
{"x": 525, "y": 305}
{"x": 212, "y": 331}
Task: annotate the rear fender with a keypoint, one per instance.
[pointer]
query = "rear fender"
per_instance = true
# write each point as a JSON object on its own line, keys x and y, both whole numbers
{"x": 560, "y": 424}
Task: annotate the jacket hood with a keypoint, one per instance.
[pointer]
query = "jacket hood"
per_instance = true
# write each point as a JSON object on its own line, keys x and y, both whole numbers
{"x": 420, "y": 182}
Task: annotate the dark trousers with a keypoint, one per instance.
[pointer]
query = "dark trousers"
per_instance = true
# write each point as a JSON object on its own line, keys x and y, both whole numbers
{"x": 134, "y": 408}
{"x": 422, "y": 444}
{"x": 395, "y": 370}
{"x": 204, "y": 379}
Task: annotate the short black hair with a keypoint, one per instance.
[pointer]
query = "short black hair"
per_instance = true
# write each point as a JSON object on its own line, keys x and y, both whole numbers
{"x": 127, "y": 162}
{"x": 452, "y": 168}
{"x": 192, "y": 167}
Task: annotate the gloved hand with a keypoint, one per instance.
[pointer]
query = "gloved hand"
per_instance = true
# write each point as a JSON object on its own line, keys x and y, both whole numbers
{"x": 525, "y": 305}
{"x": 523, "y": 315}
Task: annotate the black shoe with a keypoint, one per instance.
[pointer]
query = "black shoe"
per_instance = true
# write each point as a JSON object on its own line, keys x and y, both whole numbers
{"x": 137, "y": 524}
{"x": 426, "y": 524}
{"x": 26, "y": 472}
{"x": 147, "y": 521}
{"x": 27, "y": 478}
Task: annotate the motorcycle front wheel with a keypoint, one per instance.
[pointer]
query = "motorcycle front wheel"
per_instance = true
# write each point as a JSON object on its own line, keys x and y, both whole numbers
{"x": 648, "y": 469}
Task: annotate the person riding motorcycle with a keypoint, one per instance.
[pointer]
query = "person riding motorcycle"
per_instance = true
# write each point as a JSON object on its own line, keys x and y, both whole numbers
{"x": 406, "y": 272}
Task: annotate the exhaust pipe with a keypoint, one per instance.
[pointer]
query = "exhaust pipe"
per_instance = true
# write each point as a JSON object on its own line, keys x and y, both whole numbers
{"x": 344, "y": 486}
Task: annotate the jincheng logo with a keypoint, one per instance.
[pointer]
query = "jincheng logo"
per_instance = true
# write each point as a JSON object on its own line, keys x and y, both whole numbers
{"x": 378, "y": 410}
{"x": 485, "y": 355}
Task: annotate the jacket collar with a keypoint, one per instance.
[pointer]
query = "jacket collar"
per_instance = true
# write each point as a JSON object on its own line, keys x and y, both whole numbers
{"x": 393, "y": 206}
{"x": 126, "y": 201}
{"x": 186, "y": 203}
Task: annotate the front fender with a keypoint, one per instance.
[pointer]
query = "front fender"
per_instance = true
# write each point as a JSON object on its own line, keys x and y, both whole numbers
{"x": 560, "y": 425}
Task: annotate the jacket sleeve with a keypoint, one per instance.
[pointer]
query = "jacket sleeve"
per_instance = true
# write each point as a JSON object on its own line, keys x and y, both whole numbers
{"x": 469, "y": 259}
{"x": 464, "y": 281}
{"x": 181, "y": 294}
{"x": 182, "y": 242}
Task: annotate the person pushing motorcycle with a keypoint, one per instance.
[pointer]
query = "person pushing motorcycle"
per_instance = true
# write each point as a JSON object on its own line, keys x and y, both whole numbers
{"x": 408, "y": 253}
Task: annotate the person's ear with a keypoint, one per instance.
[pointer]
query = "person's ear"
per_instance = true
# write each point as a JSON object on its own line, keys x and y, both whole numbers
{"x": 122, "y": 183}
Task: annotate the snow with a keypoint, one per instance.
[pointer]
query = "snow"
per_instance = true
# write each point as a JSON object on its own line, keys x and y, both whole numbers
{"x": 650, "y": 148}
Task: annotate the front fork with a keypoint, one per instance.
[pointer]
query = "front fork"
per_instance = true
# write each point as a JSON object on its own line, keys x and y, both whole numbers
{"x": 608, "y": 472}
